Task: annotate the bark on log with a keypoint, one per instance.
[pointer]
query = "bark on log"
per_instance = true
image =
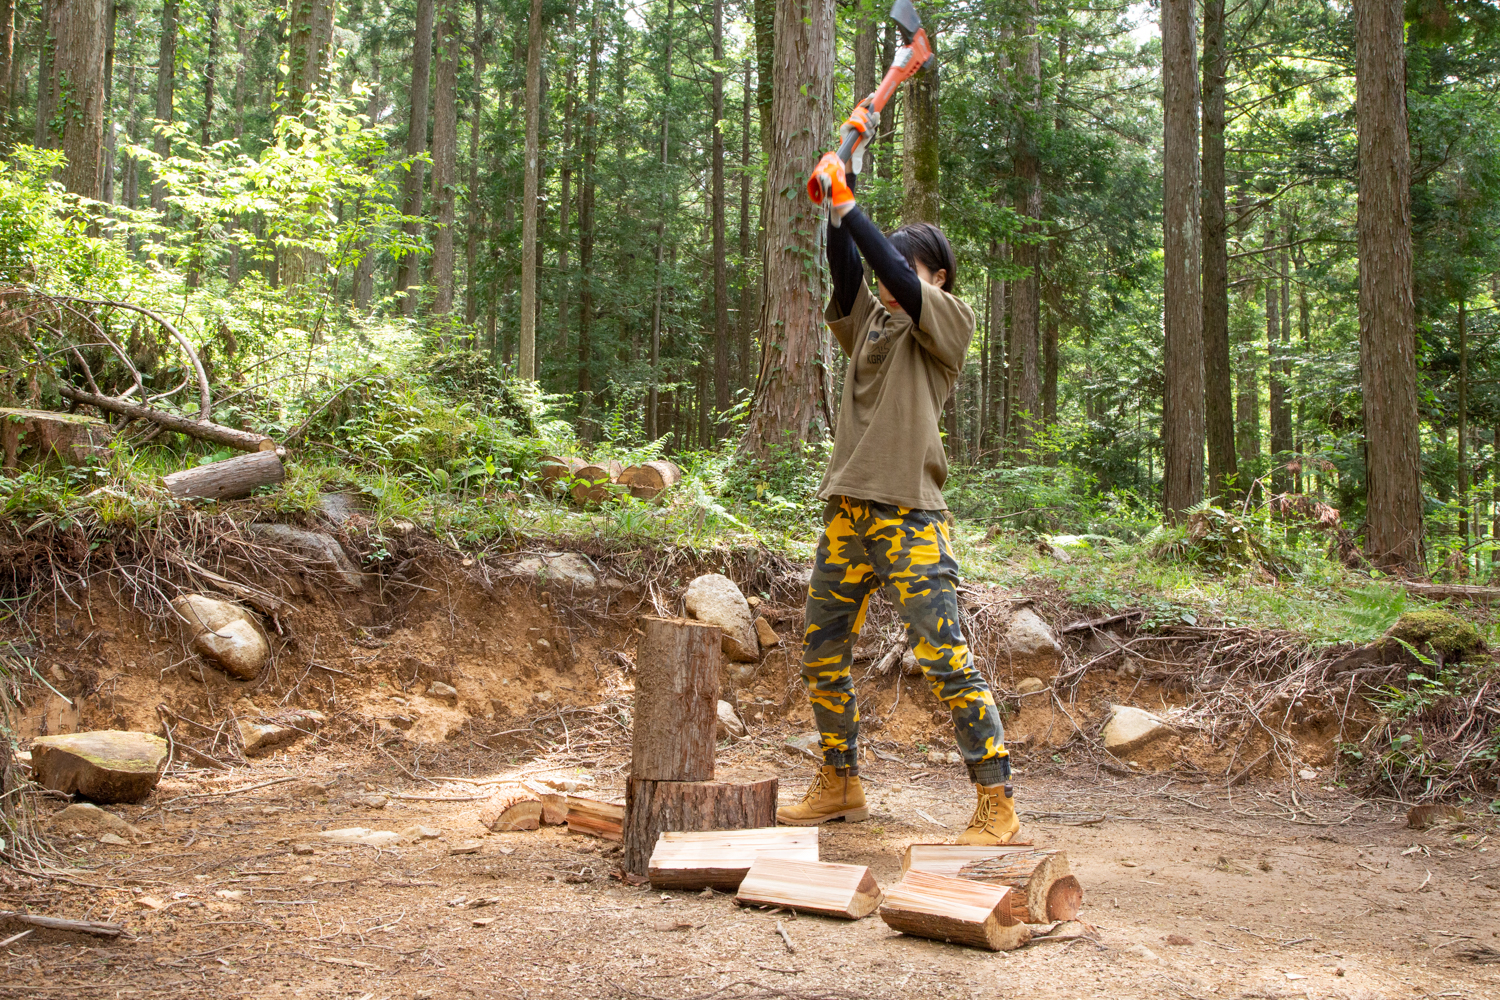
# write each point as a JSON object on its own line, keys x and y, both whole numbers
{"x": 954, "y": 910}
{"x": 655, "y": 807}
{"x": 595, "y": 818}
{"x": 511, "y": 808}
{"x": 949, "y": 859}
{"x": 650, "y": 479}
{"x": 201, "y": 429}
{"x": 676, "y": 701}
{"x": 94, "y": 927}
{"x": 1042, "y": 887}
{"x": 591, "y": 483}
{"x": 39, "y": 434}
{"x": 831, "y": 890}
{"x": 227, "y": 480}
{"x": 719, "y": 859}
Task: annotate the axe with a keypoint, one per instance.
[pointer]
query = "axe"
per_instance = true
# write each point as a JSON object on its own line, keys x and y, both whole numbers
{"x": 910, "y": 57}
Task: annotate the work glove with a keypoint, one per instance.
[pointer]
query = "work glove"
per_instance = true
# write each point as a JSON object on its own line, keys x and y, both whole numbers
{"x": 830, "y": 183}
{"x": 862, "y": 122}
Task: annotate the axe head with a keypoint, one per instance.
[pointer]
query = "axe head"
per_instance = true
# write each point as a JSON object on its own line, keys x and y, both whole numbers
{"x": 906, "y": 18}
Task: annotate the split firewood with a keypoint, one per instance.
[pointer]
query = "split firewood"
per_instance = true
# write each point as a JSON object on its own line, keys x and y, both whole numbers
{"x": 595, "y": 818}
{"x": 554, "y": 803}
{"x": 719, "y": 859}
{"x": 653, "y": 807}
{"x": 949, "y": 859}
{"x": 591, "y": 483}
{"x": 954, "y": 910}
{"x": 1042, "y": 888}
{"x": 650, "y": 479}
{"x": 822, "y": 887}
{"x": 511, "y": 808}
{"x": 227, "y": 480}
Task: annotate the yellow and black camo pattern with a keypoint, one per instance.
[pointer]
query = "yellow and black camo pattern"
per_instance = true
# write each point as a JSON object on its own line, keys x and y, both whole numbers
{"x": 909, "y": 553}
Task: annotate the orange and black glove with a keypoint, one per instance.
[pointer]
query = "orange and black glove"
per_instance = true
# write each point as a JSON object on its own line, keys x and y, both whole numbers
{"x": 830, "y": 182}
{"x": 861, "y": 123}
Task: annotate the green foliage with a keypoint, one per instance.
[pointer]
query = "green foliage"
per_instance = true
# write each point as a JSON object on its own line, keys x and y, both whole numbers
{"x": 1440, "y": 630}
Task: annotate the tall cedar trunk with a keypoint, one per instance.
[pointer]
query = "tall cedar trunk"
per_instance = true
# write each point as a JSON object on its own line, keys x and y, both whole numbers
{"x": 209, "y": 71}
{"x": 1463, "y": 432}
{"x": 42, "y": 137}
{"x": 999, "y": 366}
{"x": 166, "y": 78}
{"x": 1218, "y": 379}
{"x": 107, "y": 173}
{"x": 1281, "y": 382}
{"x": 564, "y": 237}
{"x": 792, "y": 401}
{"x": 1051, "y": 332}
{"x": 653, "y": 394}
{"x": 763, "y": 13}
{"x": 362, "y": 288}
{"x": 1026, "y": 407}
{"x": 309, "y": 35}
{"x": 1247, "y": 407}
{"x": 416, "y": 144}
{"x": 1273, "y": 357}
{"x": 474, "y": 197}
{"x": 526, "y": 367}
{"x": 866, "y": 18}
{"x": 7, "y": 53}
{"x": 1182, "y": 407}
{"x": 1387, "y": 316}
{"x": 919, "y": 201}
{"x": 746, "y": 289}
{"x": 884, "y": 146}
{"x": 79, "y": 73}
{"x": 1304, "y": 324}
{"x": 721, "y": 272}
{"x": 448, "y": 50}
{"x": 586, "y": 214}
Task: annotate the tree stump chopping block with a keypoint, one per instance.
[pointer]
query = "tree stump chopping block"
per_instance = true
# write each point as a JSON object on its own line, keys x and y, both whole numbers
{"x": 676, "y": 702}
{"x": 656, "y": 807}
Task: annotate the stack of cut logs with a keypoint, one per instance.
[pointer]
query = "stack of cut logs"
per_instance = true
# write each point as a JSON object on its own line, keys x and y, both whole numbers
{"x": 594, "y": 483}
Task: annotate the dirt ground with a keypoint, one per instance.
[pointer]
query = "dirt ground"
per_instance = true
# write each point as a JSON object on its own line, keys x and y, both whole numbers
{"x": 1193, "y": 893}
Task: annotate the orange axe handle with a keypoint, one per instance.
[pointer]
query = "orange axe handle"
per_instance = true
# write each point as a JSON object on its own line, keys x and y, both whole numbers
{"x": 909, "y": 58}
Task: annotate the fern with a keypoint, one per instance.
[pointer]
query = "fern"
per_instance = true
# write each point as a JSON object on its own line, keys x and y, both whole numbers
{"x": 1373, "y": 610}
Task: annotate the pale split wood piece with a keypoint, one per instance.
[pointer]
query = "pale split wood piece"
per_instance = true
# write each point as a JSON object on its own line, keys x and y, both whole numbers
{"x": 511, "y": 807}
{"x": 955, "y": 910}
{"x": 719, "y": 859}
{"x": 554, "y": 803}
{"x": 822, "y": 887}
{"x": 949, "y": 859}
{"x": 595, "y": 818}
{"x": 676, "y": 701}
{"x": 1042, "y": 887}
{"x": 650, "y": 480}
{"x": 227, "y": 480}
{"x": 94, "y": 927}
{"x": 654, "y": 807}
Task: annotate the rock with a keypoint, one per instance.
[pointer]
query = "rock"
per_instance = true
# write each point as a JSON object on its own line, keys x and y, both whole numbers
{"x": 370, "y": 800}
{"x": 361, "y": 835}
{"x": 1422, "y": 817}
{"x": 1178, "y": 941}
{"x": 88, "y": 820}
{"x": 729, "y": 722}
{"x": 303, "y": 850}
{"x": 114, "y": 840}
{"x": 753, "y": 601}
{"x": 765, "y": 633}
{"x": 223, "y": 633}
{"x": 322, "y": 550}
{"x": 1029, "y": 645}
{"x": 909, "y": 665}
{"x": 1433, "y": 630}
{"x": 261, "y": 733}
{"x": 575, "y": 783}
{"x": 412, "y": 833}
{"x": 1031, "y": 685}
{"x": 715, "y": 599}
{"x": 443, "y": 692}
{"x": 807, "y": 744}
{"x": 1057, "y": 552}
{"x": 106, "y": 765}
{"x": 1130, "y": 729}
{"x": 1307, "y": 774}
{"x": 564, "y": 571}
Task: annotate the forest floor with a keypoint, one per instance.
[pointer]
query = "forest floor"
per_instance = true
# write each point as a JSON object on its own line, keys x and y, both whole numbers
{"x": 1195, "y": 890}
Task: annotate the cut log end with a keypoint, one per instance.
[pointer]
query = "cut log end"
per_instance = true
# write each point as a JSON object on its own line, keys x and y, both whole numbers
{"x": 657, "y": 807}
{"x": 650, "y": 480}
{"x": 1064, "y": 899}
{"x": 511, "y": 809}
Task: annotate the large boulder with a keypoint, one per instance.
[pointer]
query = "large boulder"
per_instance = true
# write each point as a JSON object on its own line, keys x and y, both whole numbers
{"x": 261, "y": 733}
{"x": 565, "y": 571}
{"x": 715, "y": 599}
{"x": 223, "y": 633}
{"x": 320, "y": 549}
{"x": 1029, "y": 646}
{"x": 107, "y": 765}
{"x": 1131, "y": 729}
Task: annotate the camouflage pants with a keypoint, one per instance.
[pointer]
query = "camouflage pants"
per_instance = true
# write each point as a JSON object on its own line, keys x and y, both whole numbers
{"x": 908, "y": 552}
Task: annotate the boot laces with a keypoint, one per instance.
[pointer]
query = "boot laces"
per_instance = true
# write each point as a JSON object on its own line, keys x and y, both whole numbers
{"x": 820, "y": 780}
{"x": 983, "y": 813}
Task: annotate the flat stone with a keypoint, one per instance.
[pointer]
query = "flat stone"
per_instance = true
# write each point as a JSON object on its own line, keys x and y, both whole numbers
{"x": 564, "y": 571}
{"x": 319, "y": 549}
{"x": 443, "y": 692}
{"x": 806, "y": 744}
{"x": 765, "y": 633}
{"x": 421, "y": 833}
{"x": 88, "y": 820}
{"x": 262, "y": 733}
{"x": 714, "y": 598}
{"x": 1130, "y": 729}
{"x": 107, "y": 765}
{"x": 114, "y": 840}
{"x": 1031, "y": 685}
{"x": 303, "y": 850}
{"x": 224, "y": 634}
{"x": 730, "y": 724}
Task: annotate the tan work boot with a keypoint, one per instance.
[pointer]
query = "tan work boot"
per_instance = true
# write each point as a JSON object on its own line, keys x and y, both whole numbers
{"x": 994, "y": 820}
{"x": 835, "y": 794}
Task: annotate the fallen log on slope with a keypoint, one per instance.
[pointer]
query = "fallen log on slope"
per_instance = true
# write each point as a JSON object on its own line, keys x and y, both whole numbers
{"x": 650, "y": 480}
{"x": 203, "y": 430}
{"x": 954, "y": 910}
{"x": 227, "y": 480}
{"x": 1042, "y": 887}
{"x": 38, "y": 435}
{"x": 823, "y": 887}
{"x": 719, "y": 859}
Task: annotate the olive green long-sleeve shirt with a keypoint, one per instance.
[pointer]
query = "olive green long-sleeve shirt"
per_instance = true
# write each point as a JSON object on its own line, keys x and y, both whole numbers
{"x": 887, "y": 447}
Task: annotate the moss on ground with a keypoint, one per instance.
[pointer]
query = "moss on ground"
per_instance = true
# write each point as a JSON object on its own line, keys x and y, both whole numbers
{"x": 1448, "y": 634}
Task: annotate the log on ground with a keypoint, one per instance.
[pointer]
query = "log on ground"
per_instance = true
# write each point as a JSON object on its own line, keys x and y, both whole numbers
{"x": 554, "y": 469}
{"x": 595, "y": 818}
{"x": 949, "y": 859}
{"x": 203, "y": 430}
{"x": 650, "y": 479}
{"x": 591, "y": 483}
{"x": 719, "y": 859}
{"x": 954, "y": 910}
{"x": 656, "y": 807}
{"x": 511, "y": 808}
{"x": 227, "y": 480}
{"x": 676, "y": 702}
{"x": 1042, "y": 888}
{"x": 822, "y": 887}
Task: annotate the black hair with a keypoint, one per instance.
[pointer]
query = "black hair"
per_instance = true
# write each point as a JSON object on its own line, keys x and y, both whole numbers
{"x": 922, "y": 241}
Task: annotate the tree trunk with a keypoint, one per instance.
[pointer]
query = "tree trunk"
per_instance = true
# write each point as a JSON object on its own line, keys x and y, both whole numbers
{"x": 416, "y": 144}
{"x": 570, "y": 108}
{"x": 7, "y": 53}
{"x": 997, "y": 356}
{"x": 919, "y": 201}
{"x": 1026, "y": 407}
{"x": 1273, "y": 370}
{"x": 309, "y": 35}
{"x": 746, "y": 293}
{"x": 763, "y": 13}
{"x": 363, "y": 285}
{"x": 1282, "y": 436}
{"x": 229, "y": 479}
{"x": 107, "y": 170}
{"x": 653, "y": 393}
{"x": 792, "y": 403}
{"x": 447, "y": 51}
{"x": 79, "y": 72}
{"x": 866, "y": 73}
{"x": 526, "y": 362}
{"x": 676, "y": 695}
{"x": 46, "y": 81}
{"x": 656, "y": 807}
{"x": 1218, "y": 379}
{"x": 1051, "y": 334}
{"x": 166, "y": 78}
{"x": 1182, "y": 407}
{"x": 586, "y": 216}
{"x": 209, "y": 71}
{"x": 721, "y": 267}
{"x": 1463, "y": 432}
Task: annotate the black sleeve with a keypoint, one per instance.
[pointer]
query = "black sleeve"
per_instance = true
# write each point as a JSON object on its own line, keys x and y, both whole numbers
{"x": 844, "y": 265}
{"x": 889, "y": 266}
